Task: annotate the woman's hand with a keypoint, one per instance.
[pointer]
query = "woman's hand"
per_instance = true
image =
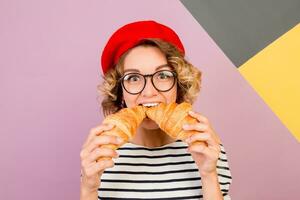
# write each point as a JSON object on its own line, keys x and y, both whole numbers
{"x": 206, "y": 151}
{"x": 91, "y": 170}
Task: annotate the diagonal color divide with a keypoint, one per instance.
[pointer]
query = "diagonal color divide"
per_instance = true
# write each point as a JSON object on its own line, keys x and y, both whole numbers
{"x": 274, "y": 73}
{"x": 243, "y": 28}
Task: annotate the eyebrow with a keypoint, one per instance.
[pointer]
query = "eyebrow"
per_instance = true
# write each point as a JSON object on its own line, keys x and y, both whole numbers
{"x": 136, "y": 70}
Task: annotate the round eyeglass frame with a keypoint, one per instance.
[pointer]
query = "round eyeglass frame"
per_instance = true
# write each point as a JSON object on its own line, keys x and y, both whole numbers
{"x": 145, "y": 82}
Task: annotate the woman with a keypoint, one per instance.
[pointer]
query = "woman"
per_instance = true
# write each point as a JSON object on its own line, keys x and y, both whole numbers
{"x": 143, "y": 64}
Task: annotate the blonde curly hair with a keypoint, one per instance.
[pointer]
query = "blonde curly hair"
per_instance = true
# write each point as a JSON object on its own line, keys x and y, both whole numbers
{"x": 188, "y": 78}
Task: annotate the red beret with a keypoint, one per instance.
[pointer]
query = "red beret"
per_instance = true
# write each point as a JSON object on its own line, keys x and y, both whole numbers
{"x": 130, "y": 35}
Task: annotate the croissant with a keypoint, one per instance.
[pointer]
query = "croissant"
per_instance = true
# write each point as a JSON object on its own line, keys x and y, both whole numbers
{"x": 126, "y": 122}
{"x": 171, "y": 117}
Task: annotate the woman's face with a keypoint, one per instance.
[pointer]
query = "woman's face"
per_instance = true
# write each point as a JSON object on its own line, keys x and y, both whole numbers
{"x": 147, "y": 60}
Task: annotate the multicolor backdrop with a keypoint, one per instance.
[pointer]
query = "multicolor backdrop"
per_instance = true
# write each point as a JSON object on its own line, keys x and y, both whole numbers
{"x": 248, "y": 51}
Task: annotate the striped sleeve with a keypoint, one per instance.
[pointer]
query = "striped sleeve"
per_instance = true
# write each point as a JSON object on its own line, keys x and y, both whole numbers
{"x": 224, "y": 174}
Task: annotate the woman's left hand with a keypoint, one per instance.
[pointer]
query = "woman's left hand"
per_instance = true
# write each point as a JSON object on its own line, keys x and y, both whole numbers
{"x": 206, "y": 151}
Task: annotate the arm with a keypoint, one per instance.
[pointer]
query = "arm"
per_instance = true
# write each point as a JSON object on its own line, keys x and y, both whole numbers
{"x": 210, "y": 186}
{"x": 91, "y": 167}
{"x": 85, "y": 194}
{"x": 205, "y": 148}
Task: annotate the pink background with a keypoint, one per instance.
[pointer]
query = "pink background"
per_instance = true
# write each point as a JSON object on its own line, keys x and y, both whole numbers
{"x": 49, "y": 69}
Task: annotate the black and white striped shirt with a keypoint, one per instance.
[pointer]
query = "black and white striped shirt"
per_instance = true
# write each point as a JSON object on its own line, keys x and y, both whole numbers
{"x": 161, "y": 173}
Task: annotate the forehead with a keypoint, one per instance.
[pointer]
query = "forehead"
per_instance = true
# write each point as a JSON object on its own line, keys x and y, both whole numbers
{"x": 145, "y": 59}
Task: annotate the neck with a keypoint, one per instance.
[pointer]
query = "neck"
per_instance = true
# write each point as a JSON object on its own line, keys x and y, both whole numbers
{"x": 151, "y": 138}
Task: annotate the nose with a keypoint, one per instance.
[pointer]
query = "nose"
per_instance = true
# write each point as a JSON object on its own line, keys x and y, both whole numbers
{"x": 149, "y": 89}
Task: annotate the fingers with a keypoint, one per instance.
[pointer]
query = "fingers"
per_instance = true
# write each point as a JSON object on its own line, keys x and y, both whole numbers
{"x": 97, "y": 167}
{"x": 209, "y": 152}
{"x": 205, "y": 137}
{"x": 97, "y": 131}
{"x": 91, "y": 167}
{"x": 199, "y": 148}
{"x": 204, "y": 133}
{"x": 202, "y": 126}
{"x": 199, "y": 117}
{"x": 99, "y": 152}
{"x": 197, "y": 143}
{"x": 197, "y": 126}
{"x": 92, "y": 150}
{"x": 98, "y": 141}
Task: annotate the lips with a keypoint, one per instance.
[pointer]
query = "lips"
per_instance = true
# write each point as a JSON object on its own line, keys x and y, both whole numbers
{"x": 149, "y": 104}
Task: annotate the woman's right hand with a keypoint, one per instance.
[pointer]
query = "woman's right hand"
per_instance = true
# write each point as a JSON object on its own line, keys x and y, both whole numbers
{"x": 91, "y": 170}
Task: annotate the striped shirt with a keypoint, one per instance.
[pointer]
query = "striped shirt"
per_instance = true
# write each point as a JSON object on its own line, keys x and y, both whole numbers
{"x": 161, "y": 173}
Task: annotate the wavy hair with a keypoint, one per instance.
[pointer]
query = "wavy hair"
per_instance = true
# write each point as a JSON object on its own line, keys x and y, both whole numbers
{"x": 188, "y": 78}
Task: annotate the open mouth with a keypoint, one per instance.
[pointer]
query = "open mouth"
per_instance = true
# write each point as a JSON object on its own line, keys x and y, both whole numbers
{"x": 148, "y": 105}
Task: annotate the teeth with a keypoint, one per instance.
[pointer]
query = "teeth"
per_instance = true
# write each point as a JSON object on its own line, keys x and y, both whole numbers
{"x": 150, "y": 104}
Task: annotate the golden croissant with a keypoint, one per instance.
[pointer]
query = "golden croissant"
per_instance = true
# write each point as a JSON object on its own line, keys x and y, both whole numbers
{"x": 171, "y": 117}
{"x": 126, "y": 122}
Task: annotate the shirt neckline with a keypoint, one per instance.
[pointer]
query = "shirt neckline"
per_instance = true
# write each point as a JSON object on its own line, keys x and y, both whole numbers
{"x": 141, "y": 146}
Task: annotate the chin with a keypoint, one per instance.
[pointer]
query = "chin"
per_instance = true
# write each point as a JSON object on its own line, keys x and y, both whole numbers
{"x": 149, "y": 124}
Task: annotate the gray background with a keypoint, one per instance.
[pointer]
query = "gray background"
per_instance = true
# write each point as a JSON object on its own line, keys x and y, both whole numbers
{"x": 242, "y": 28}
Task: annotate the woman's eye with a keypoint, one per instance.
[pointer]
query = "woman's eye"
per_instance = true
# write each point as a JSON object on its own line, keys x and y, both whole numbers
{"x": 165, "y": 75}
{"x": 132, "y": 78}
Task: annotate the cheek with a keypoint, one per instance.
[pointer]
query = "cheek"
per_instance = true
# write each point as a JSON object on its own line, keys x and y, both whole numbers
{"x": 172, "y": 95}
{"x": 129, "y": 99}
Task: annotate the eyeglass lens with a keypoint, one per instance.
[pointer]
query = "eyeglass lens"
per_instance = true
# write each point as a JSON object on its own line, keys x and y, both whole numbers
{"x": 162, "y": 80}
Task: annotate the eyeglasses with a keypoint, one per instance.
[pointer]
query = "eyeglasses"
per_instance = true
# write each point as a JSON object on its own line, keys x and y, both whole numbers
{"x": 134, "y": 83}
